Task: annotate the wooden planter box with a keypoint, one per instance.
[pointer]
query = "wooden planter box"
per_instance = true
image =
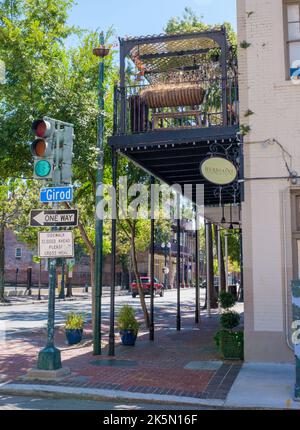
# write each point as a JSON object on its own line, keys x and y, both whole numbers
{"x": 232, "y": 345}
{"x": 173, "y": 95}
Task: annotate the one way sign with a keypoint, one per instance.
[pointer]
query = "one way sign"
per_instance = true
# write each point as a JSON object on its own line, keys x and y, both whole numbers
{"x": 54, "y": 218}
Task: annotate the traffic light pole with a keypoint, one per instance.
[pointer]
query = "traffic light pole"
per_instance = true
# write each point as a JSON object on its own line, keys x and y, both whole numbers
{"x": 52, "y": 151}
{"x": 50, "y": 358}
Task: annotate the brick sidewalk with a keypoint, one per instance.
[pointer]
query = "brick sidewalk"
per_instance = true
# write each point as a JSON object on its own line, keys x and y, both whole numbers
{"x": 184, "y": 364}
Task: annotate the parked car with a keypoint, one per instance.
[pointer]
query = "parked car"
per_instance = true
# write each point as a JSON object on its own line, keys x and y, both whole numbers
{"x": 146, "y": 283}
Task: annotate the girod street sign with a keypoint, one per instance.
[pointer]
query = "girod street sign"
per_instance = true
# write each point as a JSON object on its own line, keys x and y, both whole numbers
{"x": 56, "y": 194}
{"x": 54, "y": 218}
{"x": 56, "y": 244}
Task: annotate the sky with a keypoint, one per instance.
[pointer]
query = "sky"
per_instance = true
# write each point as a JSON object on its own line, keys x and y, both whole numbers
{"x": 141, "y": 17}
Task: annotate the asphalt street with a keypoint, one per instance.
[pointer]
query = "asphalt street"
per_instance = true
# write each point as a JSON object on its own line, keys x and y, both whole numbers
{"x": 19, "y": 318}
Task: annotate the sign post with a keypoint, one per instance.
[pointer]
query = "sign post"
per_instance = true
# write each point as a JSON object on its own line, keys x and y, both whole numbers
{"x": 296, "y": 333}
{"x": 53, "y": 147}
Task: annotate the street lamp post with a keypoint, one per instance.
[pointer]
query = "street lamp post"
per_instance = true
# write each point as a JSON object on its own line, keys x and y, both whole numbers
{"x": 100, "y": 52}
{"x": 166, "y": 247}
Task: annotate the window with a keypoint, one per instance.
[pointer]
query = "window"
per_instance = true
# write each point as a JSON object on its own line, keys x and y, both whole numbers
{"x": 293, "y": 35}
{"x": 18, "y": 253}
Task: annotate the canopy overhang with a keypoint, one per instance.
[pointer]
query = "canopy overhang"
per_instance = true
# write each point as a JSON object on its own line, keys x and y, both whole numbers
{"x": 176, "y": 156}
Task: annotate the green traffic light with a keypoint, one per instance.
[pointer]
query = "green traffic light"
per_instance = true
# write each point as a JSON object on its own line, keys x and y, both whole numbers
{"x": 42, "y": 168}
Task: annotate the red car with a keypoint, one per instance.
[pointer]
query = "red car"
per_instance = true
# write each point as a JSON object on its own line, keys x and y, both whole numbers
{"x": 146, "y": 283}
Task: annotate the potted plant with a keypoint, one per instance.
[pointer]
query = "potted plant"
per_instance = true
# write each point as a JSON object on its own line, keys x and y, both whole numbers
{"x": 230, "y": 342}
{"x": 128, "y": 325}
{"x": 74, "y": 328}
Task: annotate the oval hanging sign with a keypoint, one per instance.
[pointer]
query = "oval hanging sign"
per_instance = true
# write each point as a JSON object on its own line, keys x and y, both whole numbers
{"x": 218, "y": 170}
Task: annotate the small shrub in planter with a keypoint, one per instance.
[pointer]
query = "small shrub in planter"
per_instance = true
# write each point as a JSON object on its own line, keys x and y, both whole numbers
{"x": 230, "y": 319}
{"x": 128, "y": 325}
{"x": 229, "y": 342}
{"x": 74, "y": 328}
{"x": 226, "y": 300}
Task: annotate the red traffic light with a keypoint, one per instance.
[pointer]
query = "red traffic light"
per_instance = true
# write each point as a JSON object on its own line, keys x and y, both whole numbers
{"x": 41, "y": 128}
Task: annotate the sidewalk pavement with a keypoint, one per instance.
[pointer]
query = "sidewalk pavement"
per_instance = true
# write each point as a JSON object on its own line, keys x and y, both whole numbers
{"x": 177, "y": 368}
{"x": 269, "y": 386}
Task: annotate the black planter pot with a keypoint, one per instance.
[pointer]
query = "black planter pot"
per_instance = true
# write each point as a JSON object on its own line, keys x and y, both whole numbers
{"x": 74, "y": 336}
{"x": 128, "y": 337}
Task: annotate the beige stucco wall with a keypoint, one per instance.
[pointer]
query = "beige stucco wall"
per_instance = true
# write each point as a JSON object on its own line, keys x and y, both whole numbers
{"x": 266, "y": 210}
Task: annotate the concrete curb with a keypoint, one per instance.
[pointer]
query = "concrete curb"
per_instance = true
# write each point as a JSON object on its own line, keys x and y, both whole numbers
{"x": 44, "y": 301}
{"x": 98, "y": 394}
{"x": 49, "y": 391}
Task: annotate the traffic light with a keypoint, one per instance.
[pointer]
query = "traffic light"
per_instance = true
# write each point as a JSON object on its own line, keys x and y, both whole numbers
{"x": 63, "y": 155}
{"x": 67, "y": 155}
{"x": 42, "y": 148}
{"x": 53, "y": 150}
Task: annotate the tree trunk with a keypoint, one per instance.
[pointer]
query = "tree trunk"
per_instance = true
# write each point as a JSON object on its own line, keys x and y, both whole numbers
{"x": 2, "y": 263}
{"x": 138, "y": 281}
{"x": 90, "y": 247}
{"x": 222, "y": 273}
{"x": 69, "y": 286}
{"x": 92, "y": 267}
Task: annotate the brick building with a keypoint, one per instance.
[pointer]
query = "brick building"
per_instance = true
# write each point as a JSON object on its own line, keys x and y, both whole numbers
{"x": 19, "y": 259}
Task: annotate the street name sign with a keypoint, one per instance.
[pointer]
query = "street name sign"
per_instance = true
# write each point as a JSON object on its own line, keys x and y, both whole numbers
{"x": 54, "y": 218}
{"x": 56, "y": 244}
{"x": 56, "y": 194}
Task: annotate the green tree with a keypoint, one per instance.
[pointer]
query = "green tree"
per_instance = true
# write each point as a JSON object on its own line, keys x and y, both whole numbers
{"x": 133, "y": 233}
{"x": 32, "y": 33}
{"x": 49, "y": 79}
{"x": 190, "y": 22}
{"x": 12, "y": 194}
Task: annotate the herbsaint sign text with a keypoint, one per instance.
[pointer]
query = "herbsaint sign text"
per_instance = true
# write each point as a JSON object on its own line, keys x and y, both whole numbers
{"x": 218, "y": 170}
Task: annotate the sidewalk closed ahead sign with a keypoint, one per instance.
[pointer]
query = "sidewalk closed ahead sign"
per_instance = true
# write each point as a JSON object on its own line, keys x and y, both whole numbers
{"x": 56, "y": 244}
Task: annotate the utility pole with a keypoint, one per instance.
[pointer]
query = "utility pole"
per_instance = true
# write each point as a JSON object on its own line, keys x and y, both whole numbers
{"x": 100, "y": 52}
{"x": 226, "y": 261}
{"x": 209, "y": 263}
{"x": 241, "y": 295}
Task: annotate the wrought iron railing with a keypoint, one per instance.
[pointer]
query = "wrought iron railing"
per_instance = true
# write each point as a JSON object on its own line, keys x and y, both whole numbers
{"x": 220, "y": 107}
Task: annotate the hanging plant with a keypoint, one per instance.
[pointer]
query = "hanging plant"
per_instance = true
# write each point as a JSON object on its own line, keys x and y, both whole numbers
{"x": 245, "y": 129}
